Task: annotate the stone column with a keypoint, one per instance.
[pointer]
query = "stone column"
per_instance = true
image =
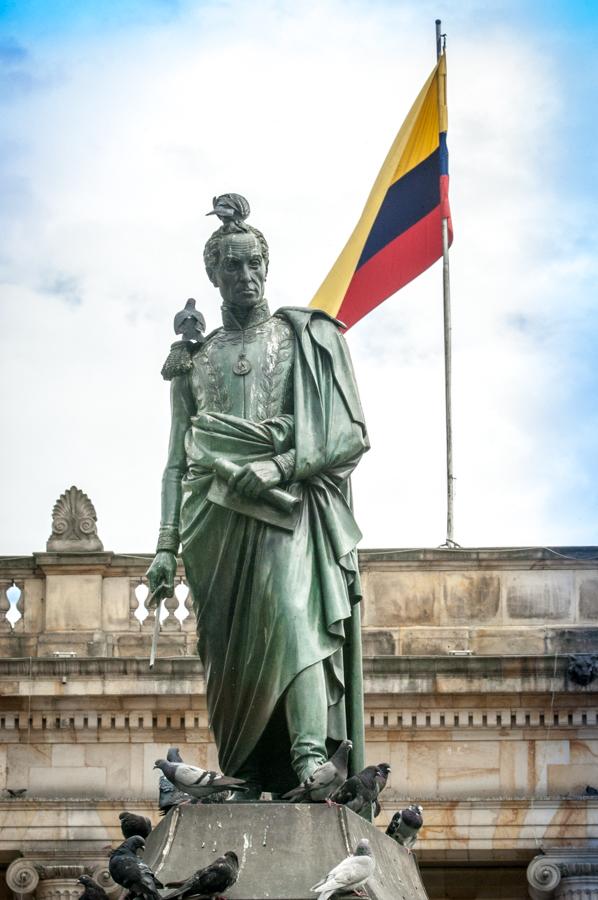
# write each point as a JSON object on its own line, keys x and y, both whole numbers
{"x": 564, "y": 874}
{"x": 57, "y": 880}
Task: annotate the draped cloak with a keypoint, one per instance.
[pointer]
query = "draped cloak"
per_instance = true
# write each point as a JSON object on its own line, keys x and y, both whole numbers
{"x": 269, "y": 602}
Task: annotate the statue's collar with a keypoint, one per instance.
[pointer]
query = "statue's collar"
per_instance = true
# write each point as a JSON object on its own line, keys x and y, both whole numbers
{"x": 258, "y": 314}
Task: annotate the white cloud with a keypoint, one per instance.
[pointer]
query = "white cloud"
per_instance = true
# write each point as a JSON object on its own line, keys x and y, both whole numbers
{"x": 113, "y": 164}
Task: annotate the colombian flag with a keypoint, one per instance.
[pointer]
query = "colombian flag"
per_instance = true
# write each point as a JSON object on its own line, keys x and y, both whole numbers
{"x": 399, "y": 234}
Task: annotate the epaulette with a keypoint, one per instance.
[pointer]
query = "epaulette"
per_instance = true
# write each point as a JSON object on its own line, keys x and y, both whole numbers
{"x": 180, "y": 359}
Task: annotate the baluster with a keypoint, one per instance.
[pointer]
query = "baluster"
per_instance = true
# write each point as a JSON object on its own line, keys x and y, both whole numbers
{"x": 182, "y": 593}
{"x": 141, "y": 593}
{"x": 167, "y": 619}
{"x": 4, "y": 608}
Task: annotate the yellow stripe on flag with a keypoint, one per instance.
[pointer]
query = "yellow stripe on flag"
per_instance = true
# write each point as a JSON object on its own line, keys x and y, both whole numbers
{"x": 424, "y": 137}
{"x": 408, "y": 149}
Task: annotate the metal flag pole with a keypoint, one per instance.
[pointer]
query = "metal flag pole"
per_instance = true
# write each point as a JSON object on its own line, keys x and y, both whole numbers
{"x": 446, "y": 293}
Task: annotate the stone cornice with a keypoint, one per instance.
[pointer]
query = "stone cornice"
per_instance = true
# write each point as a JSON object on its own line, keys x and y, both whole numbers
{"x": 383, "y": 558}
{"x": 480, "y": 557}
{"x": 382, "y": 674}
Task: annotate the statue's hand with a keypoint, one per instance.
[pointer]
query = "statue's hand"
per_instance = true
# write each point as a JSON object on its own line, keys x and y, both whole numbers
{"x": 162, "y": 569}
{"x": 254, "y": 478}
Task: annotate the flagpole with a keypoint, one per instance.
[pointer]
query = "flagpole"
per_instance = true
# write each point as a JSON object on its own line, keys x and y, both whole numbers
{"x": 446, "y": 293}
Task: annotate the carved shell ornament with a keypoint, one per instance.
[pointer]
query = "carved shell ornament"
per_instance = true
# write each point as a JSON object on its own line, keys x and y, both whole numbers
{"x": 74, "y": 523}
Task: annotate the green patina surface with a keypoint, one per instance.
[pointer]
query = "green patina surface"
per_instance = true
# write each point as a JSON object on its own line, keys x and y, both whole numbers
{"x": 277, "y": 613}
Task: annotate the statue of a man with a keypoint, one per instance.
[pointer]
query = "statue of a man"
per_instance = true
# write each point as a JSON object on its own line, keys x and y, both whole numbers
{"x": 278, "y": 628}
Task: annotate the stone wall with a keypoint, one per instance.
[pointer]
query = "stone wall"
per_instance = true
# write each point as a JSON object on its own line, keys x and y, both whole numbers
{"x": 426, "y": 602}
{"x": 470, "y": 695}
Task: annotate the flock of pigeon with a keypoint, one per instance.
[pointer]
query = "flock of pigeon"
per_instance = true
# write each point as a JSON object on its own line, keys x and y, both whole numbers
{"x": 183, "y": 783}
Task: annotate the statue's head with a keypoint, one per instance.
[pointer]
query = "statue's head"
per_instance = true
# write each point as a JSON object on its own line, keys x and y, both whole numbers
{"x": 236, "y": 260}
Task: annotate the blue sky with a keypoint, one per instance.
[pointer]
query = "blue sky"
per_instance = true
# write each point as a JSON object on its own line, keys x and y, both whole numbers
{"x": 119, "y": 121}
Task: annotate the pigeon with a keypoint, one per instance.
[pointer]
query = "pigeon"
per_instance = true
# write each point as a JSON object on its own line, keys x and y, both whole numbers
{"x": 350, "y": 874}
{"x": 131, "y": 824}
{"x": 92, "y": 891}
{"x": 381, "y": 779}
{"x": 189, "y": 322}
{"x": 405, "y": 824}
{"x": 591, "y": 791}
{"x": 358, "y": 792}
{"x": 231, "y": 209}
{"x": 218, "y": 797}
{"x": 16, "y": 792}
{"x": 324, "y": 780}
{"x": 169, "y": 796}
{"x": 199, "y": 783}
{"x": 213, "y": 879}
{"x": 132, "y": 873}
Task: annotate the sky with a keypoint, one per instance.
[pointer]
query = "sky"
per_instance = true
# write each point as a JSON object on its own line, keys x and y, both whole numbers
{"x": 119, "y": 121}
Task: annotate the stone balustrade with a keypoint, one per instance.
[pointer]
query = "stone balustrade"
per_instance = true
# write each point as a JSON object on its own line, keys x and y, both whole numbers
{"x": 427, "y": 602}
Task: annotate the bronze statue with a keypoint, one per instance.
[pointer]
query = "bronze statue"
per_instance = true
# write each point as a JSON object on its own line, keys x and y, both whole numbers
{"x": 266, "y": 429}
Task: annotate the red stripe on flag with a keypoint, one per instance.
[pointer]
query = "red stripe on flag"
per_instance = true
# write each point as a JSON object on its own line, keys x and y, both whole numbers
{"x": 402, "y": 260}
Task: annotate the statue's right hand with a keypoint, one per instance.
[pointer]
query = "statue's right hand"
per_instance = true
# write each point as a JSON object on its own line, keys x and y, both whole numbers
{"x": 162, "y": 569}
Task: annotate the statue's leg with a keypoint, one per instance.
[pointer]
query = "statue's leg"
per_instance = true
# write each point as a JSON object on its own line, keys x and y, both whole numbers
{"x": 306, "y": 708}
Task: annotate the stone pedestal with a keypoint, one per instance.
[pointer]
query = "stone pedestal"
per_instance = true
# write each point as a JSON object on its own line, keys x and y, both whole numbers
{"x": 283, "y": 849}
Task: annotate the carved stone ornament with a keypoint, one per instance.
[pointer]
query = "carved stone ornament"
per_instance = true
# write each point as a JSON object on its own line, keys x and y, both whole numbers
{"x": 74, "y": 523}
{"x": 565, "y": 874}
{"x": 22, "y": 876}
{"x": 582, "y": 668}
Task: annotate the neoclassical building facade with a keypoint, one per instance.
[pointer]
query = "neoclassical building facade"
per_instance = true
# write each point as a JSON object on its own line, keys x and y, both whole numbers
{"x": 480, "y": 669}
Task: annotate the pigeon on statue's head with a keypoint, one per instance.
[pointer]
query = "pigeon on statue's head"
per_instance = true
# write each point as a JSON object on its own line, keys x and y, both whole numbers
{"x": 232, "y": 210}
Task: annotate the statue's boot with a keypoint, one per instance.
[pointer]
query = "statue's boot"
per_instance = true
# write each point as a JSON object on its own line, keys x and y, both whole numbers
{"x": 306, "y": 708}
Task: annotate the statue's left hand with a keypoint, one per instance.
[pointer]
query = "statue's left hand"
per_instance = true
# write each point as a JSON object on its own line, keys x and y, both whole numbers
{"x": 254, "y": 478}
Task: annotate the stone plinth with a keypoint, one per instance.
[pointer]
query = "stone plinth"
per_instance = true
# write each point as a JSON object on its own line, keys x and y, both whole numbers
{"x": 283, "y": 849}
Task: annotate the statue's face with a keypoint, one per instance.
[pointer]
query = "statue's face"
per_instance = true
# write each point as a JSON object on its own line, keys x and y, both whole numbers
{"x": 241, "y": 271}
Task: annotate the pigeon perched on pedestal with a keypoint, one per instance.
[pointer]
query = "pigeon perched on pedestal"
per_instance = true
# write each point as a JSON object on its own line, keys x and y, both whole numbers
{"x": 132, "y": 873}
{"x": 405, "y": 825}
{"x": 324, "y": 780}
{"x": 211, "y": 880}
{"x": 169, "y": 796}
{"x": 381, "y": 779}
{"x": 199, "y": 783}
{"x": 350, "y": 874}
{"x": 130, "y": 824}
{"x": 92, "y": 890}
{"x": 361, "y": 791}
